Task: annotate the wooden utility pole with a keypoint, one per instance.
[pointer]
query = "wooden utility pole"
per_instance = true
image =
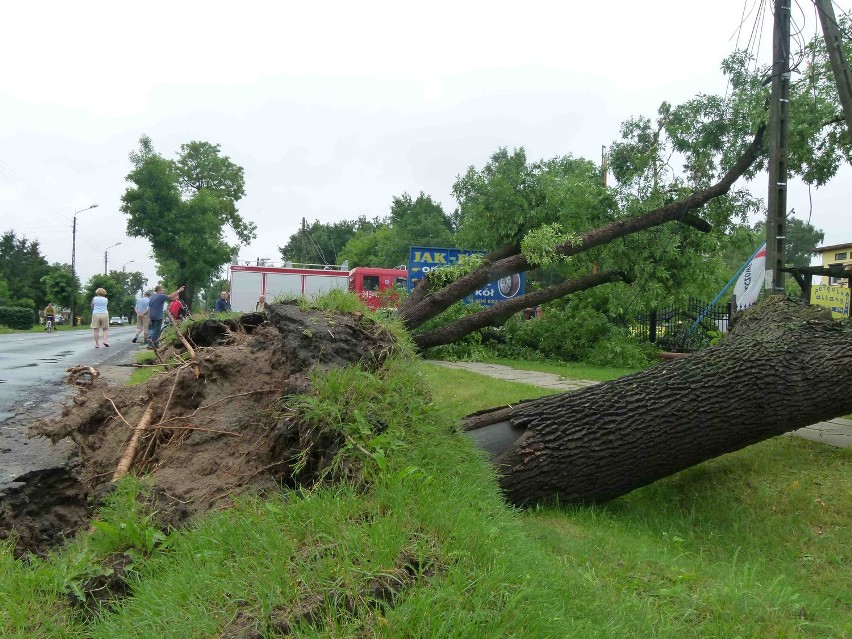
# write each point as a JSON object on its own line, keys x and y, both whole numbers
{"x": 834, "y": 44}
{"x": 776, "y": 215}
{"x": 304, "y": 230}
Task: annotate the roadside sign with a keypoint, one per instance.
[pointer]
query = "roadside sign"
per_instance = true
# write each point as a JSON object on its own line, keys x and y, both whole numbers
{"x": 835, "y": 298}
{"x": 424, "y": 259}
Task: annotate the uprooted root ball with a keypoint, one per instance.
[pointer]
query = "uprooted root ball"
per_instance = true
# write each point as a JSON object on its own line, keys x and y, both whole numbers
{"x": 213, "y": 435}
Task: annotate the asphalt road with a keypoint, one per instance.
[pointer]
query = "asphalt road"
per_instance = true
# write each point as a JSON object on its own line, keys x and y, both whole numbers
{"x": 32, "y": 386}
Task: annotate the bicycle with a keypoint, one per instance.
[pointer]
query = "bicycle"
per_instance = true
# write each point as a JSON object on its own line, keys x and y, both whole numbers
{"x": 48, "y": 324}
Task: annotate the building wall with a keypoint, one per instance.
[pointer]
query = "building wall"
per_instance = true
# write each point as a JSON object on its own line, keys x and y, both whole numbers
{"x": 836, "y": 254}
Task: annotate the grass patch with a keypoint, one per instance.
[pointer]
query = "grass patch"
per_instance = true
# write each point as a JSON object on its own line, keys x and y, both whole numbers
{"x": 147, "y": 368}
{"x": 753, "y": 544}
{"x": 39, "y": 328}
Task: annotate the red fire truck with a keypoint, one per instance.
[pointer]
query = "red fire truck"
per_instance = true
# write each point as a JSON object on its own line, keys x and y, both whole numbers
{"x": 251, "y": 280}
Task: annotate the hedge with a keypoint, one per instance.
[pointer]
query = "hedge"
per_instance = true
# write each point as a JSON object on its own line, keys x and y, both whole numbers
{"x": 17, "y": 317}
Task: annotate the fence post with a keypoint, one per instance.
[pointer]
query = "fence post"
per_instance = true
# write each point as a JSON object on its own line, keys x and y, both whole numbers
{"x": 652, "y": 327}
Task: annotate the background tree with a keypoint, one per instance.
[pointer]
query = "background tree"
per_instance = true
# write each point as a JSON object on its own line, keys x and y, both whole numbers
{"x": 132, "y": 284}
{"x": 385, "y": 243}
{"x": 22, "y": 266}
{"x": 5, "y": 294}
{"x": 374, "y": 246}
{"x": 801, "y": 240}
{"x": 184, "y": 208}
{"x": 60, "y": 285}
{"x": 320, "y": 243}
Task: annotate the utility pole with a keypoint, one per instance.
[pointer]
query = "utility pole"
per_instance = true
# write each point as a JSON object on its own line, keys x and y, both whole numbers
{"x": 74, "y": 261}
{"x": 304, "y": 231}
{"x": 834, "y": 44}
{"x": 779, "y": 101}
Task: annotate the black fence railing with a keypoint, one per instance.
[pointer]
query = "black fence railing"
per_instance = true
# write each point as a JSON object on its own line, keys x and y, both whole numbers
{"x": 683, "y": 329}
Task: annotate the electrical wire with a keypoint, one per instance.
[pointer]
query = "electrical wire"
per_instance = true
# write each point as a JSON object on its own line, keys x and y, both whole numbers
{"x": 10, "y": 177}
{"x": 19, "y": 185}
{"x": 320, "y": 254}
{"x": 835, "y": 22}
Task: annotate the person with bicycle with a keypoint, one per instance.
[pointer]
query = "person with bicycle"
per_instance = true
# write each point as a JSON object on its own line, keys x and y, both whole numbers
{"x": 49, "y": 317}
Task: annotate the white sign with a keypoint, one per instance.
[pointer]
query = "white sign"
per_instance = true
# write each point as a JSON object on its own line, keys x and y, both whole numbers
{"x": 748, "y": 286}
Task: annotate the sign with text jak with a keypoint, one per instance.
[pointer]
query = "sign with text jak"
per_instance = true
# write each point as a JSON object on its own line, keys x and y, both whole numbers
{"x": 424, "y": 259}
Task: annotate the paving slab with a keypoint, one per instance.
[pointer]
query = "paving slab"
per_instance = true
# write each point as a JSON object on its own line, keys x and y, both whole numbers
{"x": 834, "y": 432}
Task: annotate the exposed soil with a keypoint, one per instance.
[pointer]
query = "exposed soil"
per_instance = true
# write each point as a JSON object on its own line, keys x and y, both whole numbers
{"x": 213, "y": 435}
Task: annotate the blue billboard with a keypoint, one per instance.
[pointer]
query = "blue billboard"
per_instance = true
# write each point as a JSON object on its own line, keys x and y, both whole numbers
{"x": 425, "y": 259}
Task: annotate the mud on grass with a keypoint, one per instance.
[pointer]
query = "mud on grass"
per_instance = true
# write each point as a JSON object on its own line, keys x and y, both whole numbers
{"x": 213, "y": 435}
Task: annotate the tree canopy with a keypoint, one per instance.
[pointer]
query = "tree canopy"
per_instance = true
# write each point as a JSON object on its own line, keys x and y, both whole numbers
{"x": 411, "y": 221}
{"x": 22, "y": 266}
{"x": 320, "y": 243}
{"x": 184, "y": 207}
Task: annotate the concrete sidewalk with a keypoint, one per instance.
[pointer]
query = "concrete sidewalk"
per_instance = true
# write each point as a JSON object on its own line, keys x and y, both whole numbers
{"x": 835, "y": 432}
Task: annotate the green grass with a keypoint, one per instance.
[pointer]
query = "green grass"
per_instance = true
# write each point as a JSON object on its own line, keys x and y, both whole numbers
{"x": 147, "y": 368}
{"x": 39, "y": 328}
{"x": 753, "y": 544}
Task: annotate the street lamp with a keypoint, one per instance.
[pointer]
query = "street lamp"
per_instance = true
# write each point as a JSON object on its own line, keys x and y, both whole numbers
{"x": 105, "y": 255}
{"x": 74, "y": 258}
{"x": 125, "y": 264}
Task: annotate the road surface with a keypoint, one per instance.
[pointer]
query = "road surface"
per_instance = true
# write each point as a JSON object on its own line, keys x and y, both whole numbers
{"x": 32, "y": 386}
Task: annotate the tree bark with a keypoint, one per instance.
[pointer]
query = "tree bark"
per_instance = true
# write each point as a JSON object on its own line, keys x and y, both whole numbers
{"x": 424, "y": 306}
{"x": 784, "y": 366}
{"x": 497, "y": 314}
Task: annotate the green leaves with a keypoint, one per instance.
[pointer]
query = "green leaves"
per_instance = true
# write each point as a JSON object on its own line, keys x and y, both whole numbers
{"x": 539, "y": 245}
{"x": 183, "y": 207}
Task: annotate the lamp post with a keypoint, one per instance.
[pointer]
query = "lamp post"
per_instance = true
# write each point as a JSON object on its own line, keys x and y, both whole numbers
{"x": 125, "y": 264}
{"x": 105, "y": 255}
{"x": 74, "y": 259}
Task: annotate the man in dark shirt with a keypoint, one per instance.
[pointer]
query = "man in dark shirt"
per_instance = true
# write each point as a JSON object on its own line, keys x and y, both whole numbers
{"x": 155, "y": 310}
{"x": 222, "y": 304}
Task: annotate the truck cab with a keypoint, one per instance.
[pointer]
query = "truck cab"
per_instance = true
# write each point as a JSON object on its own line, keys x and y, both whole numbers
{"x": 378, "y": 287}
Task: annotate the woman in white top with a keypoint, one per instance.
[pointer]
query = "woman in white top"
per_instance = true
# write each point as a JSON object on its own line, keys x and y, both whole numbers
{"x": 100, "y": 316}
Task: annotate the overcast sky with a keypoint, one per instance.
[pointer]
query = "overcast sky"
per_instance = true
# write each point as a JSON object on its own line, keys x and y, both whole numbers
{"x": 334, "y": 108}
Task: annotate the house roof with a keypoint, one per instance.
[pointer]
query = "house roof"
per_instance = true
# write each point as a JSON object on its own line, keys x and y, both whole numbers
{"x": 833, "y": 247}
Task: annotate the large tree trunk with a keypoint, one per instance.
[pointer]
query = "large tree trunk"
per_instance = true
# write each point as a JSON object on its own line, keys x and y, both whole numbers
{"x": 784, "y": 366}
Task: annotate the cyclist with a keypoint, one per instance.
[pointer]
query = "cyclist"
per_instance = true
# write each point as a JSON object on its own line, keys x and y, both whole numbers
{"x": 49, "y": 317}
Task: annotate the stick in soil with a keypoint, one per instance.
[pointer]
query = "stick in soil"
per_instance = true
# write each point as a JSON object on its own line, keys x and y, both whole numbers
{"x": 127, "y": 458}
{"x": 195, "y": 367}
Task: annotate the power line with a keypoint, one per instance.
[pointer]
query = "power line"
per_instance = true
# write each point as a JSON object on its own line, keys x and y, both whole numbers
{"x": 10, "y": 177}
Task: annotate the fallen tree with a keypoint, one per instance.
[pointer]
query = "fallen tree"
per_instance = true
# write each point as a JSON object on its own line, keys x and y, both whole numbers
{"x": 429, "y": 300}
{"x": 784, "y": 366}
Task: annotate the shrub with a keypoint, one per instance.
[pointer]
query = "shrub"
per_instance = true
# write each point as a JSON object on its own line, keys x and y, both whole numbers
{"x": 17, "y": 317}
{"x": 619, "y": 350}
{"x": 566, "y": 334}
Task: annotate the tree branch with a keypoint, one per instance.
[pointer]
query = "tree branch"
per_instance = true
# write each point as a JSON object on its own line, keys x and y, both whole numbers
{"x": 496, "y": 315}
{"x": 415, "y": 314}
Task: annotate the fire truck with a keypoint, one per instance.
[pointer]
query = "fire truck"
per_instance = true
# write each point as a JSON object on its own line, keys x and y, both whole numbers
{"x": 250, "y": 280}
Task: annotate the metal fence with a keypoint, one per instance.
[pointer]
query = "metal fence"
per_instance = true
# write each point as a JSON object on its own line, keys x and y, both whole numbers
{"x": 683, "y": 329}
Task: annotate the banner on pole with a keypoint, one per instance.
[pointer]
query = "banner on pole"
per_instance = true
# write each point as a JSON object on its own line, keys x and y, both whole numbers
{"x": 750, "y": 282}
